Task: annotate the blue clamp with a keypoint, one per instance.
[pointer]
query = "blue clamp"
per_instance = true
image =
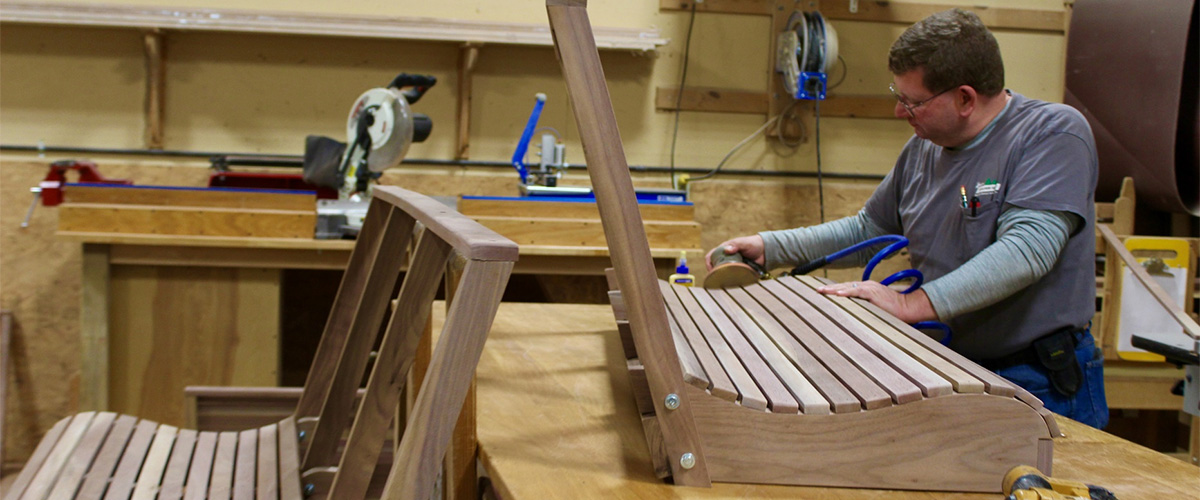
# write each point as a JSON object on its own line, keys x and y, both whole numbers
{"x": 811, "y": 86}
{"x": 518, "y": 158}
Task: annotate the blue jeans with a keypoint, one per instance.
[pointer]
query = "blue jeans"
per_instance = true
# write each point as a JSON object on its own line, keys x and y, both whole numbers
{"x": 1088, "y": 404}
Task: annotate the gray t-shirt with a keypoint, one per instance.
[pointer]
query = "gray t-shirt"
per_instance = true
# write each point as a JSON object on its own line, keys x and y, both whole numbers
{"x": 1039, "y": 156}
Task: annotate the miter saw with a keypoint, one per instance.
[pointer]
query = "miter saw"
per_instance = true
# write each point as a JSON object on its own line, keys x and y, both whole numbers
{"x": 380, "y": 128}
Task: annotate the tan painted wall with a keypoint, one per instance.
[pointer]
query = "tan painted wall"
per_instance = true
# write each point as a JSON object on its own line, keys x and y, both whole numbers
{"x": 258, "y": 93}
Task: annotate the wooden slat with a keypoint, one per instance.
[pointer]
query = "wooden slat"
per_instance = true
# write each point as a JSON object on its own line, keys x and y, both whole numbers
{"x": 896, "y": 385}
{"x": 105, "y": 462}
{"x": 472, "y": 240}
{"x": 38, "y": 457}
{"x": 840, "y": 399}
{"x": 81, "y": 459}
{"x": 364, "y": 328}
{"x": 268, "y": 463}
{"x": 719, "y": 383}
{"x": 715, "y": 100}
{"x": 523, "y": 207}
{"x": 810, "y": 400}
{"x": 52, "y": 466}
{"x": 190, "y": 197}
{"x": 246, "y": 465}
{"x": 959, "y": 380}
{"x": 868, "y": 392}
{"x": 930, "y": 383}
{"x": 142, "y": 219}
{"x": 748, "y": 392}
{"x": 177, "y": 467}
{"x": 122, "y": 482}
{"x": 289, "y": 461}
{"x": 588, "y": 233}
{"x": 397, "y": 353}
{"x": 201, "y": 467}
{"x": 576, "y": 50}
{"x": 451, "y": 370}
{"x": 221, "y": 482}
{"x": 149, "y": 479}
{"x": 693, "y": 373}
{"x": 779, "y": 400}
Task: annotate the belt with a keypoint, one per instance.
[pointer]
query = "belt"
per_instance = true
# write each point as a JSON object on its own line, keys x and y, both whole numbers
{"x": 1026, "y": 356}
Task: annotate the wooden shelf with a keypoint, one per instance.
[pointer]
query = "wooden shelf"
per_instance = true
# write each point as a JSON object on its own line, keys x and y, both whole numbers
{"x": 232, "y": 20}
{"x": 747, "y": 101}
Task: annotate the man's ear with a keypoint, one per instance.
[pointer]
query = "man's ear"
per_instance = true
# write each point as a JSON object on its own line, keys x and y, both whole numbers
{"x": 966, "y": 99}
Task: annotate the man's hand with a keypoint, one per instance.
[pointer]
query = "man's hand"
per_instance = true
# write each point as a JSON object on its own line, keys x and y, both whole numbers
{"x": 909, "y": 308}
{"x": 751, "y": 247}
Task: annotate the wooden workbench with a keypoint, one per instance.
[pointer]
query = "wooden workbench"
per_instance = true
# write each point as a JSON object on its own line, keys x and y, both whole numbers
{"x": 160, "y": 313}
{"x": 556, "y": 420}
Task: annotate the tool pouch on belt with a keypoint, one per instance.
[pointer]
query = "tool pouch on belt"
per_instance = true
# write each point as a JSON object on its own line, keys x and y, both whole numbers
{"x": 1056, "y": 352}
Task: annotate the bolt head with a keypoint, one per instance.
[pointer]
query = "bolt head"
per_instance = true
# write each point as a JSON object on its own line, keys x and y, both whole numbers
{"x": 687, "y": 461}
{"x": 309, "y": 489}
{"x": 671, "y": 401}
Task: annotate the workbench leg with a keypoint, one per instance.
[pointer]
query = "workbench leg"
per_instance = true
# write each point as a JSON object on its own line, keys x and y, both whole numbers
{"x": 93, "y": 329}
{"x": 1194, "y": 442}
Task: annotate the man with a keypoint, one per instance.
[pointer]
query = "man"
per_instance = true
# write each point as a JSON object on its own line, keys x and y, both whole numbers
{"x": 995, "y": 193}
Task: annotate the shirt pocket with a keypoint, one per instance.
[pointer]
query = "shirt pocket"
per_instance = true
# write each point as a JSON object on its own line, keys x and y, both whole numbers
{"x": 979, "y": 228}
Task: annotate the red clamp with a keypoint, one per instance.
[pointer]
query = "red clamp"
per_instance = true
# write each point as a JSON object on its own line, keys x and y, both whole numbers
{"x": 51, "y": 186}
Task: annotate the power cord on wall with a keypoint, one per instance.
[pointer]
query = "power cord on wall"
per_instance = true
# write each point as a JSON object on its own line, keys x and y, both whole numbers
{"x": 687, "y": 47}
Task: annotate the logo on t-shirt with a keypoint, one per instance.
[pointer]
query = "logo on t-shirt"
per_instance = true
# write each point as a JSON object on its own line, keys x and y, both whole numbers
{"x": 988, "y": 187}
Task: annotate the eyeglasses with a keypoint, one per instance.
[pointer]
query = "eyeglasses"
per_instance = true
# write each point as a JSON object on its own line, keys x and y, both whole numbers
{"x": 911, "y": 108}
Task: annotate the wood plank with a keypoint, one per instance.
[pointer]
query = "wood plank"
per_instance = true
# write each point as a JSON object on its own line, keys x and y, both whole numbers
{"x": 451, "y": 370}
{"x": 890, "y": 12}
{"x": 177, "y": 466}
{"x": 246, "y": 465}
{"x": 141, "y": 219}
{"x": 523, "y": 207}
{"x": 353, "y": 26}
{"x": 576, "y": 51}
{"x": 170, "y": 196}
{"x": 221, "y": 482}
{"x": 105, "y": 462}
{"x": 810, "y": 400}
{"x": 396, "y": 356}
{"x": 839, "y": 398}
{"x": 959, "y": 380}
{"x": 719, "y": 383}
{"x": 716, "y": 100}
{"x": 896, "y": 385}
{"x": 930, "y": 383}
{"x": 693, "y": 373}
{"x": 268, "y": 463}
{"x": 779, "y": 400}
{"x": 5, "y": 356}
{"x": 93, "y": 328}
{"x": 64, "y": 446}
{"x": 363, "y": 329}
{"x": 467, "y": 55}
{"x": 77, "y": 465}
{"x": 156, "y": 76}
{"x": 585, "y": 232}
{"x": 289, "y": 461}
{"x": 867, "y": 392}
{"x": 122, "y": 481}
{"x": 201, "y": 467}
{"x": 748, "y": 393}
{"x": 149, "y": 479}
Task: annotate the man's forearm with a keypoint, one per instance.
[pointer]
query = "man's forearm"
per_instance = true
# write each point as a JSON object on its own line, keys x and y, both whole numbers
{"x": 791, "y": 247}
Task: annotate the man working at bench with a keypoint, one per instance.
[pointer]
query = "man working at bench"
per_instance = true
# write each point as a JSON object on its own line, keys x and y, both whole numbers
{"x": 995, "y": 193}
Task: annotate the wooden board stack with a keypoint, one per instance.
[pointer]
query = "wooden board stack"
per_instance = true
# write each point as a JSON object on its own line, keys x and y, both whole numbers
{"x": 775, "y": 383}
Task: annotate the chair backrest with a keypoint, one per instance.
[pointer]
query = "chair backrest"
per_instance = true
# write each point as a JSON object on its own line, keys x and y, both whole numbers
{"x": 576, "y": 48}
{"x": 353, "y": 326}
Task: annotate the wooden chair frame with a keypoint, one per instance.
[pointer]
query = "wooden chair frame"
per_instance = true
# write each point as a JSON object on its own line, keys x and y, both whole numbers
{"x": 105, "y": 455}
{"x": 954, "y": 426}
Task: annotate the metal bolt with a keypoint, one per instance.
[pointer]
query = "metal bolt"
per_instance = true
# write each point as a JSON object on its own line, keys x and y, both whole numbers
{"x": 302, "y": 435}
{"x": 672, "y": 401}
{"x": 309, "y": 489}
{"x": 687, "y": 461}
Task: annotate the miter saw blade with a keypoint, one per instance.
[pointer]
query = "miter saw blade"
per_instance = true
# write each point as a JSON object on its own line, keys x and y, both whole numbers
{"x": 391, "y": 131}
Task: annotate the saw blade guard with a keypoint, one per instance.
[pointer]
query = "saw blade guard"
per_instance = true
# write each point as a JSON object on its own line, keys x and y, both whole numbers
{"x": 391, "y": 128}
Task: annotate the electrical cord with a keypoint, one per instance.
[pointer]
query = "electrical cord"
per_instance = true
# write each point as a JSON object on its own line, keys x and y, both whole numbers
{"x": 715, "y": 170}
{"x": 687, "y": 47}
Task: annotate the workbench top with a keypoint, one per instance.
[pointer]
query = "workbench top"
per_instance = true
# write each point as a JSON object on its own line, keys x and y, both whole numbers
{"x": 556, "y": 419}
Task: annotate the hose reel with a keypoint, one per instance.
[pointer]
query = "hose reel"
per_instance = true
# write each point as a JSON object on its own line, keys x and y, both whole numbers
{"x": 808, "y": 49}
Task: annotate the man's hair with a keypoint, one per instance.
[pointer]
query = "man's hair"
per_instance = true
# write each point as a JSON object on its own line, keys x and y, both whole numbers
{"x": 954, "y": 48}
